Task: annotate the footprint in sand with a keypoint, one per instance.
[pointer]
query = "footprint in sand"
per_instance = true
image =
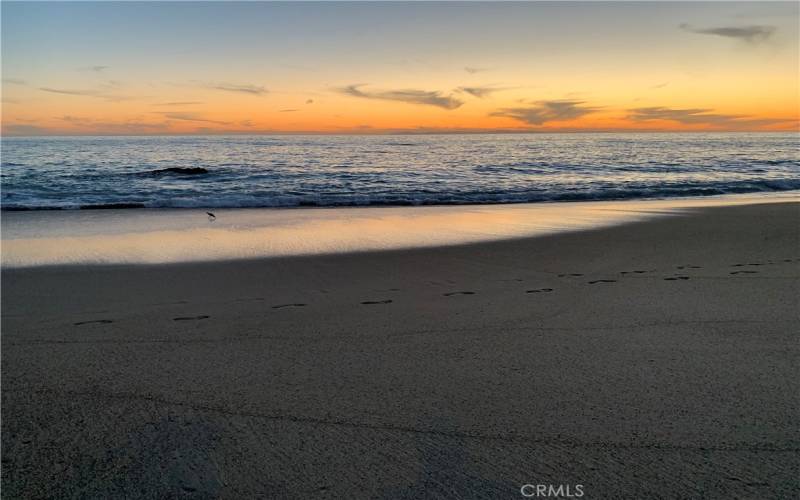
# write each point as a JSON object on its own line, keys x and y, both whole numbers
{"x": 744, "y": 272}
{"x": 373, "y": 302}
{"x": 449, "y": 294}
{"x": 673, "y": 278}
{"x": 190, "y": 318}
{"x": 281, "y": 306}
{"x": 103, "y": 321}
{"x": 540, "y": 290}
{"x": 602, "y": 281}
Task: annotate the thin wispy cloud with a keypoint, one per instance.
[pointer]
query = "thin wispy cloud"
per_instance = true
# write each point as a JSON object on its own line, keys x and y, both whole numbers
{"x": 111, "y": 84}
{"x": 480, "y": 92}
{"x": 23, "y": 129}
{"x": 472, "y": 70}
{"x": 179, "y": 103}
{"x": 750, "y": 34}
{"x": 76, "y": 120}
{"x": 100, "y": 94}
{"x": 410, "y": 96}
{"x": 287, "y": 111}
{"x": 242, "y": 89}
{"x": 699, "y": 116}
{"x": 94, "y": 69}
{"x": 133, "y": 126}
{"x": 189, "y": 117}
{"x": 14, "y": 81}
{"x": 547, "y": 111}
{"x": 88, "y": 93}
{"x": 309, "y": 101}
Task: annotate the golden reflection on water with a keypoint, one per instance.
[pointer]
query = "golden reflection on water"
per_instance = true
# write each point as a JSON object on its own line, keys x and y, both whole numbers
{"x": 162, "y": 236}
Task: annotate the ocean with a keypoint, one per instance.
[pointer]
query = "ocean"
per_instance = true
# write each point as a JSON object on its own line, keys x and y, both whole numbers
{"x": 332, "y": 171}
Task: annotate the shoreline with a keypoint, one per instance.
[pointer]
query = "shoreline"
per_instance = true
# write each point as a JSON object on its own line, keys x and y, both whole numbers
{"x": 651, "y": 359}
{"x": 483, "y": 246}
{"x": 142, "y": 206}
{"x": 163, "y": 236}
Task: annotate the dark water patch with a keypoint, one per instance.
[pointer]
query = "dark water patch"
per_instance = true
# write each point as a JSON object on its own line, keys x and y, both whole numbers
{"x": 93, "y": 321}
{"x": 177, "y": 171}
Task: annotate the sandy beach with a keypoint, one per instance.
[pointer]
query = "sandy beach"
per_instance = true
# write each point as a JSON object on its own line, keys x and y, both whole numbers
{"x": 654, "y": 359}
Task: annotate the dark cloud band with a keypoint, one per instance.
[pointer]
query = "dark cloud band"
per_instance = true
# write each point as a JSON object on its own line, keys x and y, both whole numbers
{"x": 749, "y": 34}
{"x": 547, "y": 111}
{"x": 411, "y": 96}
{"x": 699, "y": 116}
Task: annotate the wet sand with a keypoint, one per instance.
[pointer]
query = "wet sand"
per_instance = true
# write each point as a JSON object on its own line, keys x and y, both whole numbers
{"x": 653, "y": 359}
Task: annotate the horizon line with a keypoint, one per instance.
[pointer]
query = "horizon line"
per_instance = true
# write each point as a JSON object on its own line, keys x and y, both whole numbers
{"x": 410, "y": 132}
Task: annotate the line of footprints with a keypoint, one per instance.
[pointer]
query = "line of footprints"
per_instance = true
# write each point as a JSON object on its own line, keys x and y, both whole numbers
{"x": 677, "y": 277}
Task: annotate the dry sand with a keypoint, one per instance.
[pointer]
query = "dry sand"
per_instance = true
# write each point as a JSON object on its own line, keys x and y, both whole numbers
{"x": 656, "y": 359}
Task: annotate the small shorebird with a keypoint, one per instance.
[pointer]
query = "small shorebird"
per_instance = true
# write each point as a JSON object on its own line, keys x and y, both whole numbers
{"x": 211, "y": 216}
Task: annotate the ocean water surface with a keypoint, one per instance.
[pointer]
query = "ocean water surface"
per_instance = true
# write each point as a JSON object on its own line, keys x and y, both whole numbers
{"x": 330, "y": 171}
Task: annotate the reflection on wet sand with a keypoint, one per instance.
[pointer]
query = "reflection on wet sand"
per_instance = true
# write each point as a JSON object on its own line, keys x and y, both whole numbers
{"x": 163, "y": 236}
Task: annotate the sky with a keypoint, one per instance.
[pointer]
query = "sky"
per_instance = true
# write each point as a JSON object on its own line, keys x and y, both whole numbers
{"x": 131, "y": 68}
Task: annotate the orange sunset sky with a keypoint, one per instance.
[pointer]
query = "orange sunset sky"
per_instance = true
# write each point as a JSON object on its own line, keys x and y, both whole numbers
{"x": 206, "y": 68}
